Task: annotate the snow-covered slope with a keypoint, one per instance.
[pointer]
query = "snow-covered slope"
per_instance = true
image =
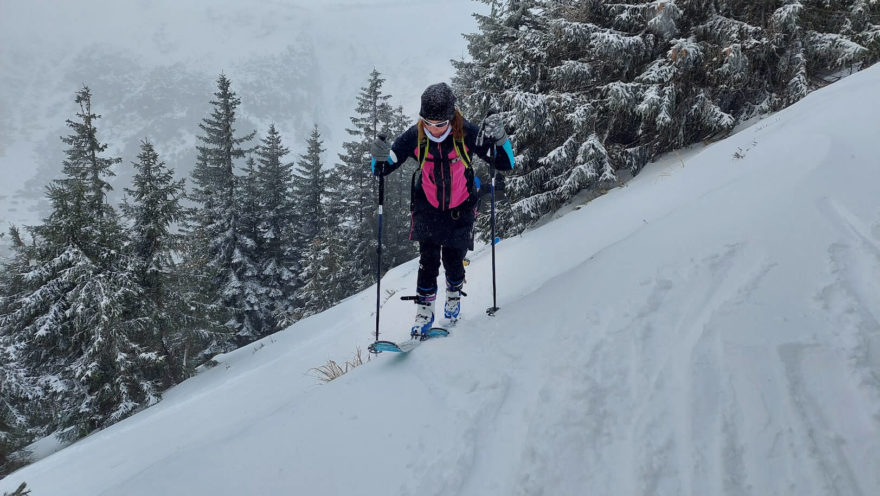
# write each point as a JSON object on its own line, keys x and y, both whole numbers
{"x": 711, "y": 328}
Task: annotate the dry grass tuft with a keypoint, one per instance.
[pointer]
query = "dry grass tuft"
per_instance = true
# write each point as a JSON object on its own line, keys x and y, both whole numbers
{"x": 21, "y": 491}
{"x": 332, "y": 370}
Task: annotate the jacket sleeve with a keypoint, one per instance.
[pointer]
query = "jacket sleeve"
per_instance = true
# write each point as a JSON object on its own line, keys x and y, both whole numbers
{"x": 500, "y": 157}
{"x": 402, "y": 148}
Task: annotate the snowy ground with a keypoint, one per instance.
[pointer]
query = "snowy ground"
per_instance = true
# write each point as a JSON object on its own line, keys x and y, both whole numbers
{"x": 711, "y": 328}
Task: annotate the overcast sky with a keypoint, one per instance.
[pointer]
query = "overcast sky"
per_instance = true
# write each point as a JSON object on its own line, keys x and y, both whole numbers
{"x": 43, "y": 45}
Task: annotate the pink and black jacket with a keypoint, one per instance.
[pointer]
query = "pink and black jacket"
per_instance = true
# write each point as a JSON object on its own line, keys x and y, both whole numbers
{"x": 443, "y": 192}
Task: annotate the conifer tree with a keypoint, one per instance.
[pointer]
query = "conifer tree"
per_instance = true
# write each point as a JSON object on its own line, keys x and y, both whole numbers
{"x": 279, "y": 245}
{"x": 323, "y": 271}
{"x": 199, "y": 336}
{"x": 12, "y": 283}
{"x": 311, "y": 229}
{"x": 152, "y": 206}
{"x": 309, "y": 189}
{"x": 326, "y": 260}
{"x": 10, "y": 439}
{"x": 213, "y": 226}
{"x": 354, "y": 189}
{"x": 70, "y": 324}
{"x": 22, "y": 399}
{"x": 588, "y": 89}
{"x": 18, "y": 394}
{"x": 252, "y": 316}
{"x": 864, "y": 21}
{"x": 314, "y": 295}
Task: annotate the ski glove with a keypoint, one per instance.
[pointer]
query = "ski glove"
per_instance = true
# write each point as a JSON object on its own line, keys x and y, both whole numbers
{"x": 381, "y": 151}
{"x": 493, "y": 128}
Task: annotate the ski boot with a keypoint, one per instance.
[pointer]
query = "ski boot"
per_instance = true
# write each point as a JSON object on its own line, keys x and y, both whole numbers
{"x": 453, "y": 301}
{"x": 424, "y": 316}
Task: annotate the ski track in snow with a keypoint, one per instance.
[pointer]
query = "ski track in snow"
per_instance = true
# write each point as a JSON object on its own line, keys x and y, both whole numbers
{"x": 689, "y": 452}
{"x": 686, "y": 437}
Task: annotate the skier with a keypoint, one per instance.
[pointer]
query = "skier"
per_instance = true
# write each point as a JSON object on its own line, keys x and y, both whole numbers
{"x": 445, "y": 191}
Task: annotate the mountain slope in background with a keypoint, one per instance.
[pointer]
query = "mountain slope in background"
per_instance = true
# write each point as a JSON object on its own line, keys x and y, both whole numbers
{"x": 152, "y": 68}
{"x": 713, "y": 327}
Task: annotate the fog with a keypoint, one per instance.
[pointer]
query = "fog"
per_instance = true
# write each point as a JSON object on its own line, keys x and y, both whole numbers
{"x": 152, "y": 68}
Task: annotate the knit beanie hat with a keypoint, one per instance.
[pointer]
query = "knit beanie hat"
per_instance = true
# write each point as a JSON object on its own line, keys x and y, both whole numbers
{"x": 438, "y": 103}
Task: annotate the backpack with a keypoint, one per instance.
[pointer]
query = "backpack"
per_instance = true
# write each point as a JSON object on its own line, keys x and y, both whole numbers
{"x": 460, "y": 182}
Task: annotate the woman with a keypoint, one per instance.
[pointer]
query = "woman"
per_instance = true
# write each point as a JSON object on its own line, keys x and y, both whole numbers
{"x": 444, "y": 191}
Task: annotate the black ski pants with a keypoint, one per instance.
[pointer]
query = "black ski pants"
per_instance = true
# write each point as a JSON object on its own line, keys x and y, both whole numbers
{"x": 431, "y": 255}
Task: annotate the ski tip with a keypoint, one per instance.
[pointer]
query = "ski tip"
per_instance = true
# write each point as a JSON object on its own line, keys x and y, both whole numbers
{"x": 438, "y": 332}
{"x": 380, "y": 346}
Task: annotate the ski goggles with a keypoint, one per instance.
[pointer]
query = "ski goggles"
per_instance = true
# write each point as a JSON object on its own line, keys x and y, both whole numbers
{"x": 435, "y": 124}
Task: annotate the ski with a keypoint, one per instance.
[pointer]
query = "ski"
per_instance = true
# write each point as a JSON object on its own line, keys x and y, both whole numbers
{"x": 407, "y": 346}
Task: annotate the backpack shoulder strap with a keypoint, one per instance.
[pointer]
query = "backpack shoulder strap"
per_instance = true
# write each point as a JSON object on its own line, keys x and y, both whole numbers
{"x": 462, "y": 151}
{"x": 460, "y": 148}
{"x": 423, "y": 152}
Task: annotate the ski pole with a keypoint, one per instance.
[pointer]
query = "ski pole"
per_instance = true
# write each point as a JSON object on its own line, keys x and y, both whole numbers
{"x": 494, "y": 308}
{"x": 491, "y": 311}
{"x": 379, "y": 249}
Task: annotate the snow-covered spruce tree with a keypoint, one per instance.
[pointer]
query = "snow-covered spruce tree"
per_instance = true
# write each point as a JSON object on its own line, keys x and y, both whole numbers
{"x": 22, "y": 400}
{"x": 252, "y": 316}
{"x": 279, "y": 246}
{"x": 12, "y": 283}
{"x": 309, "y": 186}
{"x": 784, "y": 50}
{"x": 70, "y": 323}
{"x": 309, "y": 195}
{"x": 14, "y": 400}
{"x": 7, "y": 445}
{"x": 152, "y": 205}
{"x": 196, "y": 338}
{"x": 590, "y": 88}
{"x": 509, "y": 60}
{"x": 212, "y": 236}
{"x": 865, "y": 22}
{"x": 323, "y": 270}
{"x": 325, "y": 259}
{"x": 17, "y": 393}
{"x": 354, "y": 190}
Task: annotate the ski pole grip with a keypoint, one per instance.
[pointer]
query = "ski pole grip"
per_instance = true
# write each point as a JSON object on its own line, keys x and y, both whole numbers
{"x": 492, "y": 111}
{"x": 483, "y": 125}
